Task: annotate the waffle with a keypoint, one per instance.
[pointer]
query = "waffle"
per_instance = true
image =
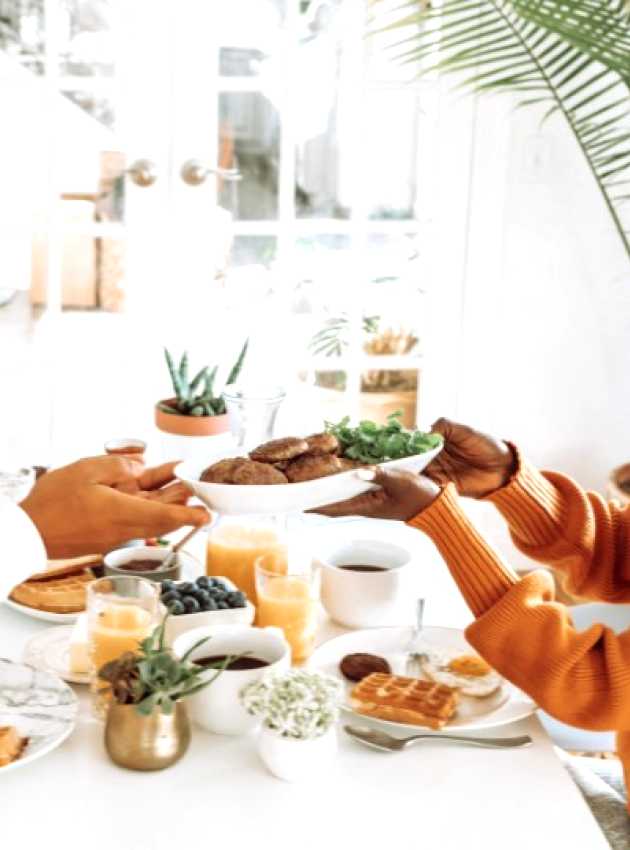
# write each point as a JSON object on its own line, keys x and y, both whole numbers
{"x": 11, "y": 745}
{"x": 60, "y": 590}
{"x": 404, "y": 700}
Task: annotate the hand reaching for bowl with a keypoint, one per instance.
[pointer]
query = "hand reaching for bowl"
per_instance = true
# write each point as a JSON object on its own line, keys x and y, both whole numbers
{"x": 475, "y": 462}
{"x": 98, "y": 503}
{"x": 402, "y": 495}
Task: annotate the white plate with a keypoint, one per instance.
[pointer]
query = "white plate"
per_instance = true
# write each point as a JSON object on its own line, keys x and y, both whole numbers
{"x": 508, "y": 705}
{"x": 47, "y": 616}
{"x": 286, "y": 498}
{"x": 40, "y": 705}
{"x": 50, "y": 651}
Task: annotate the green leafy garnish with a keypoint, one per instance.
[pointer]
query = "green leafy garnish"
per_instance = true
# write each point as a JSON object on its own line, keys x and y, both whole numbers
{"x": 372, "y": 443}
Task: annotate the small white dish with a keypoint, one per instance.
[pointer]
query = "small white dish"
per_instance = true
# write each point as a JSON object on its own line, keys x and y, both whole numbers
{"x": 40, "y": 706}
{"x": 362, "y": 599}
{"x": 218, "y": 708}
{"x": 179, "y": 624}
{"x": 507, "y": 705}
{"x": 50, "y": 651}
{"x": 287, "y": 498}
{"x": 46, "y": 616}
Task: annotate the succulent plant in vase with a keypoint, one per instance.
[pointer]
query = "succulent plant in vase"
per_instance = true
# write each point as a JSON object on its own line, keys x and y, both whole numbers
{"x": 196, "y": 409}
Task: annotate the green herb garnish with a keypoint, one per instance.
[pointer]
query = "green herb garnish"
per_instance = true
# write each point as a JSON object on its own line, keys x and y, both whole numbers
{"x": 372, "y": 443}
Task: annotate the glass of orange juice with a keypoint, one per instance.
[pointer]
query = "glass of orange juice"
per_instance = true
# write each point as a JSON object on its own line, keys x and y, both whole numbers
{"x": 121, "y": 612}
{"x": 289, "y": 600}
{"x": 235, "y": 544}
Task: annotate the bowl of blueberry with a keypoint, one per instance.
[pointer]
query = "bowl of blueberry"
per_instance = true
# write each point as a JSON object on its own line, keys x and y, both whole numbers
{"x": 206, "y": 601}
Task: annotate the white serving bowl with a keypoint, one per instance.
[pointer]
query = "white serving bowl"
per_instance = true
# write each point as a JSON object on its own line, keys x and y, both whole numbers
{"x": 286, "y": 498}
{"x": 218, "y": 708}
{"x": 179, "y": 624}
{"x": 366, "y": 600}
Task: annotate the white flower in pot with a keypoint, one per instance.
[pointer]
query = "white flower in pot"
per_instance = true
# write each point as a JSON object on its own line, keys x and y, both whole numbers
{"x": 299, "y": 711}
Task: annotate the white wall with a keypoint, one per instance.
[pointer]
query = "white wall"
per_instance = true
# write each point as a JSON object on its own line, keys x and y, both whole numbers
{"x": 540, "y": 352}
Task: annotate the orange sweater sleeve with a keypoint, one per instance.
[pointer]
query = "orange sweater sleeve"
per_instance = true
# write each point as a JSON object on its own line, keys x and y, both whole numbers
{"x": 554, "y": 521}
{"x": 581, "y": 678}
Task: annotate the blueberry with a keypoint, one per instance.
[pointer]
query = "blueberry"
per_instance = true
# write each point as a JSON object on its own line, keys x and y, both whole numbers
{"x": 220, "y": 595}
{"x": 176, "y": 606}
{"x": 170, "y": 596}
{"x": 186, "y": 587}
{"x": 222, "y": 605}
{"x": 203, "y": 582}
{"x": 168, "y": 587}
{"x": 220, "y": 585}
{"x": 191, "y": 606}
{"x": 203, "y": 598}
{"x": 212, "y": 605}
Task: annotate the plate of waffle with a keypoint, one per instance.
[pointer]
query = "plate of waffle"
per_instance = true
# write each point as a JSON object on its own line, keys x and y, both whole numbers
{"x": 451, "y": 686}
{"x": 58, "y": 594}
{"x": 37, "y": 713}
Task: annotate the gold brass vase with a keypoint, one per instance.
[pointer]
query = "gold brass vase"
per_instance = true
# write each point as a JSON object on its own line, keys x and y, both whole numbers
{"x": 150, "y": 742}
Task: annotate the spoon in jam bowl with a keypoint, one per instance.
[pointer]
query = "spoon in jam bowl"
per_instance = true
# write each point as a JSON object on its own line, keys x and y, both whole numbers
{"x": 387, "y": 743}
{"x": 171, "y": 559}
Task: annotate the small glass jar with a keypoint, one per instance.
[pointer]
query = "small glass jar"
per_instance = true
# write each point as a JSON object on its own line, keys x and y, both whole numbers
{"x": 252, "y": 413}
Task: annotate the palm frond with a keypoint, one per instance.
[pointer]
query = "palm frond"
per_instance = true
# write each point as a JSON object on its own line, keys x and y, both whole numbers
{"x": 570, "y": 56}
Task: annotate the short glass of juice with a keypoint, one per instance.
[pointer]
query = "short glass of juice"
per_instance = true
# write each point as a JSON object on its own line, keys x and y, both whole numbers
{"x": 290, "y": 601}
{"x": 235, "y": 544}
{"x": 121, "y": 613}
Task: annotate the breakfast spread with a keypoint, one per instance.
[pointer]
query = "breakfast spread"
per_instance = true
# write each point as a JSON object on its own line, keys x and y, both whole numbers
{"x": 340, "y": 448}
{"x": 11, "y": 745}
{"x": 204, "y": 594}
{"x": 401, "y": 699}
{"x": 470, "y": 674}
{"x": 60, "y": 590}
{"x": 358, "y": 665}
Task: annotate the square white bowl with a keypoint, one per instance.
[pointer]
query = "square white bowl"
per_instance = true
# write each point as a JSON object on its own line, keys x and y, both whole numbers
{"x": 178, "y": 624}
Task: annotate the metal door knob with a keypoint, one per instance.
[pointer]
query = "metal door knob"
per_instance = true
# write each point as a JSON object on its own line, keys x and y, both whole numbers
{"x": 143, "y": 172}
{"x": 194, "y": 172}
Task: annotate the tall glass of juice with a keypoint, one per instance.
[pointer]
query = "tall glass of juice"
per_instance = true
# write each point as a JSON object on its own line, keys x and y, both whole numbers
{"x": 290, "y": 601}
{"x": 121, "y": 612}
{"x": 236, "y": 543}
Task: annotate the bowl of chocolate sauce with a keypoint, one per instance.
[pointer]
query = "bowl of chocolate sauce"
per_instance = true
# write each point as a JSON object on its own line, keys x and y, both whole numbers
{"x": 146, "y": 562}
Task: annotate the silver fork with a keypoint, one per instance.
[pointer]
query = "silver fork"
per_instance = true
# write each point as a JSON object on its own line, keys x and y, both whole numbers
{"x": 387, "y": 743}
{"x": 415, "y": 657}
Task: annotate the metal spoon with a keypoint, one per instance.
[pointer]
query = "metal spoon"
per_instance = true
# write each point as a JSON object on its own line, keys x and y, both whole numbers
{"x": 388, "y": 744}
{"x": 168, "y": 562}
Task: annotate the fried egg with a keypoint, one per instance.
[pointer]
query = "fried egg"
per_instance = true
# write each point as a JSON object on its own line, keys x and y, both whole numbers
{"x": 468, "y": 673}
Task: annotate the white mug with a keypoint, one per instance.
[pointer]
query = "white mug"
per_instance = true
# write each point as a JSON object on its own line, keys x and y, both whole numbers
{"x": 365, "y": 599}
{"x": 217, "y": 708}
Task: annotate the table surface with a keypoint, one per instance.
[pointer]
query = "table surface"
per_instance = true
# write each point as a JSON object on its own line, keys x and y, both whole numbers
{"x": 434, "y": 795}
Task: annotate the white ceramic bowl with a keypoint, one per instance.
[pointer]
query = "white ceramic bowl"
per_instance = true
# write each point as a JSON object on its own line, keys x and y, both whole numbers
{"x": 364, "y": 600}
{"x": 217, "y": 708}
{"x": 286, "y": 498}
{"x": 179, "y": 624}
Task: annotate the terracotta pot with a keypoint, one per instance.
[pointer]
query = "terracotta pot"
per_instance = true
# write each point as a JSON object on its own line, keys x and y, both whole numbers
{"x": 619, "y": 476}
{"x": 150, "y": 742}
{"x": 190, "y": 426}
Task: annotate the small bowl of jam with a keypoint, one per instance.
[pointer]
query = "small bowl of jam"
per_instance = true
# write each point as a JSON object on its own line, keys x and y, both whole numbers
{"x": 146, "y": 562}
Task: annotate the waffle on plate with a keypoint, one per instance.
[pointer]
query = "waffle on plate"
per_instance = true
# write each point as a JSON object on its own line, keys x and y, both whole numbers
{"x": 59, "y": 590}
{"x": 11, "y": 745}
{"x": 400, "y": 699}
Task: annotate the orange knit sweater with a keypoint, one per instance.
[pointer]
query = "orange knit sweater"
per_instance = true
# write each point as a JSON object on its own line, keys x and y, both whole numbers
{"x": 580, "y": 678}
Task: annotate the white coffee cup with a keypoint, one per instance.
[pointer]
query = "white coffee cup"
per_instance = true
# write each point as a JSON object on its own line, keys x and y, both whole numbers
{"x": 217, "y": 708}
{"x": 367, "y": 599}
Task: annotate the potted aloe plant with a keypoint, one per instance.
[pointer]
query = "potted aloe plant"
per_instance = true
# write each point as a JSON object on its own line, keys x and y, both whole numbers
{"x": 299, "y": 711}
{"x": 147, "y": 726}
{"x": 196, "y": 409}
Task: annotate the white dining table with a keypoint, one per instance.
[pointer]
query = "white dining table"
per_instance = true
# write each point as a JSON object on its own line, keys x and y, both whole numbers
{"x": 435, "y": 795}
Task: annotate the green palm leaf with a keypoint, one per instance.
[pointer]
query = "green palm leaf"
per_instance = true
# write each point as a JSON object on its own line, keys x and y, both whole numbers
{"x": 572, "y": 56}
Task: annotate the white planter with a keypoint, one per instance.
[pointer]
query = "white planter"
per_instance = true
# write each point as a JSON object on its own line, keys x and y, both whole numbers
{"x": 292, "y": 760}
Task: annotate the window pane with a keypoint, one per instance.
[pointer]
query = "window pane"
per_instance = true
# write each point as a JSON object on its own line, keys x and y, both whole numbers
{"x": 96, "y": 106}
{"x": 249, "y": 140}
{"x": 87, "y": 41}
{"x": 256, "y": 251}
{"x": 251, "y": 33}
{"x": 22, "y": 32}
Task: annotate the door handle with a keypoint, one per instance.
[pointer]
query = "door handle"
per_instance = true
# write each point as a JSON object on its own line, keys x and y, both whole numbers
{"x": 143, "y": 172}
{"x": 194, "y": 172}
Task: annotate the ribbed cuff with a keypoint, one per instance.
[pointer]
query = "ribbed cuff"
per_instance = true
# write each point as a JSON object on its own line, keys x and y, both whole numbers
{"x": 530, "y": 503}
{"x": 479, "y": 572}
